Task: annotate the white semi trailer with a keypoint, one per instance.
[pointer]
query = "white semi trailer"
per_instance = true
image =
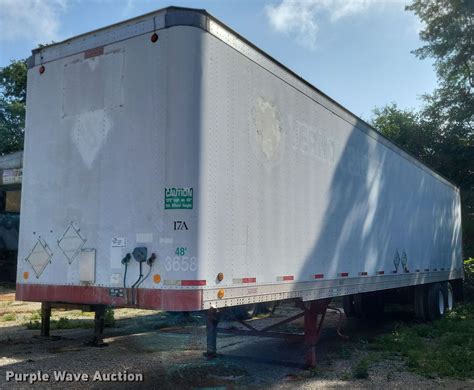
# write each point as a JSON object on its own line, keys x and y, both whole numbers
{"x": 171, "y": 164}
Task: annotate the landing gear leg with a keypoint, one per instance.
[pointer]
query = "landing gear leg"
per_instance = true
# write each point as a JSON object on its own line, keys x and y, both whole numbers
{"x": 45, "y": 319}
{"x": 211, "y": 330}
{"x": 312, "y": 327}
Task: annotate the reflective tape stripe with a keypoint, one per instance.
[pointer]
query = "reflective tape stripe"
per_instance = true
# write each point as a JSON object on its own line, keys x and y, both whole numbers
{"x": 285, "y": 278}
{"x": 244, "y": 280}
{"x": 344, "y": 274}
{"x": 381, "y": 272}
{"x": 184, "y": 283}
{"x": 170, "y": 282}
{"x": 319, "y": 276}
{"x": 363, "y": 273}
{"x": 193, "y": 283}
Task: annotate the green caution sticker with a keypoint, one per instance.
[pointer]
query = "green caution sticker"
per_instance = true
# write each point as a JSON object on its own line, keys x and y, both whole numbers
{"x": 178, "y": 198}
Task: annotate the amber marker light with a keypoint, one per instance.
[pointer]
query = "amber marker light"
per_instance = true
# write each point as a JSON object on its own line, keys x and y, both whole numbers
{"x": 220, "y": 294}
{"x": 26, "y": 275}
{"x": 157, "y": 278}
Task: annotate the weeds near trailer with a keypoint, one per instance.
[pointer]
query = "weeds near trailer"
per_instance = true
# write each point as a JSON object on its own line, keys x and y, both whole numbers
{"x": 8, "y": 317}
{"x": 444, "y": 348}
{"x": 68, "y": 323}
{"x": 469, "y": 279}
{"x": 361, "y": 369}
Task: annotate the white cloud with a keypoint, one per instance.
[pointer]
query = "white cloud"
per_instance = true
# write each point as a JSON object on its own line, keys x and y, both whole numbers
{"x": 302, "y": 17}
{"x": 33, "y": 20}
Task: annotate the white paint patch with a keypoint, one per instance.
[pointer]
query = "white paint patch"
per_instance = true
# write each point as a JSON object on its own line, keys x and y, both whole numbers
{"x": 145, "y": 238}
{"x": 89, "y": 134}
{"x": 116, "y": 280}
{"x": 92, "y": 62}
{"x": 116, "y": 256}
{"x": 166, "y": 240}
{"x": 268, "y": 129}
{"x": 87, "y": 266}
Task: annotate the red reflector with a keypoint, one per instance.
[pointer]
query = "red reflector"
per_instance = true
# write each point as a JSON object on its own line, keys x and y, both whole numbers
{"x": 288, "y": 277}
{"x": 381, "y": 272}
{"x": 319, "y": 276}
{"x": 193, "y": 283}
{"x": 41, "y": 69}
{"x": 249, "y": 280}
{"x": 344, "y": 274}
{"x": 436, "y": 269}
{"x": 394, "y": 272}
{"x": 154, "y": 37}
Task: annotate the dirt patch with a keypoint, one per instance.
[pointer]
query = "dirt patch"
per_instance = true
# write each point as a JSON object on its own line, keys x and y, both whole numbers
{"x": 167, "y": 350}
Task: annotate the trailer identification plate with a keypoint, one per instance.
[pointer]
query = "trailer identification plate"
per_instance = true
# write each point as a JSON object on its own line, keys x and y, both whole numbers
{"x": 178, "y": 198}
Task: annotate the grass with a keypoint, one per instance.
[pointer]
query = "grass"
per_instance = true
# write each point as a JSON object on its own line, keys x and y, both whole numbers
{"x": 8, "y": 317}
{"x": 68, "y": 323}
{"x": 444, "y": 348}
{"x": 361, "y": 369}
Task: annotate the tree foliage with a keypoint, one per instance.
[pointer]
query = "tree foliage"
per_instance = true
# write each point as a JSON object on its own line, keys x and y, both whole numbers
{"x": 12, "y": 106}
{"x": 442, "y": 132}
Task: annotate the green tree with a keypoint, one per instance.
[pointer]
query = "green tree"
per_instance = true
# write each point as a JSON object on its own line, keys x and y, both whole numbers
{"x": 405, "y": 128}
{"x": 448, "y": 35}
{"x": 442, "y": 132}
{"x": 12, "y": 106}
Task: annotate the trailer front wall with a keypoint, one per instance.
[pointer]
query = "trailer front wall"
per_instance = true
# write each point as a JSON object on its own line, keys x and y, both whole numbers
{"x": 110, "y": 134}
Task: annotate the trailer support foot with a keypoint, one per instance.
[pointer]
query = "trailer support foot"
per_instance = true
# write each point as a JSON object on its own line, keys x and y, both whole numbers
{"x": 99, "y": 324}
{"x": 45, "y": 319}
{"x": 211, "y": 330}
{"x": 312, "y": 327}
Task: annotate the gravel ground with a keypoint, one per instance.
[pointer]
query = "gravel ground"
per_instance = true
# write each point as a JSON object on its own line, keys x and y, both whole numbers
{"x": 167, "y": 350}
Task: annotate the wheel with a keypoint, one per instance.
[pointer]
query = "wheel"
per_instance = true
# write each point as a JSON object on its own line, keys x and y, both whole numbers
{"x": 245, "y": 312}
{"x": 419, "y": 302}
{"x": 348, "y": 306}
{"x": 368, "y": 305}
{"x": 435, "y": 301}
{"x": 449, "y": 297}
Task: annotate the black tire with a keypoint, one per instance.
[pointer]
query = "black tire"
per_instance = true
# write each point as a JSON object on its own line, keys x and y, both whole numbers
{"x": 435, "y": 301}
{"x": 368, "y": 305}
{"x": 419, "y": 300}
{"x": 245, "y": 312}
{"x": 348, "y": 306}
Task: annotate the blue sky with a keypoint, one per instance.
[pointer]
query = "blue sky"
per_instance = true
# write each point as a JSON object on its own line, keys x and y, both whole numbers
{"x": 356, "y": 51}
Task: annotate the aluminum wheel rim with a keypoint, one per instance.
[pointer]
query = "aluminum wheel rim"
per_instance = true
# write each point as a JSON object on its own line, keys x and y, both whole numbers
{"x": 450, "y": 298}
{"x": 441, "y": 302}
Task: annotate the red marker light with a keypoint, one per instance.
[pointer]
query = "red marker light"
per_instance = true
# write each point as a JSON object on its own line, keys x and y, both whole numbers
{"x": 41, "y": 69}
{"x": 154, "y": 37}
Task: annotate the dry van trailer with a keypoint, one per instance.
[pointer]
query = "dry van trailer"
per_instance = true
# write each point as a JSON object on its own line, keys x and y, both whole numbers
{"x": 170, "y": 164}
